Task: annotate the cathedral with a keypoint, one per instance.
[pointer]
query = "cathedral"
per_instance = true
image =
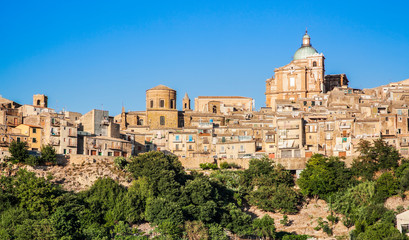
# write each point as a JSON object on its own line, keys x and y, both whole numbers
{"x": 303, "y": 77}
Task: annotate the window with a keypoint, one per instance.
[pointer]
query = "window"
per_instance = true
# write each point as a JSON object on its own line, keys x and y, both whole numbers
{"x": 185, "y": 105}
{"x": 65, "y": 151}
{"x": 214, "y": 109}
{"x": 177, "y": 146}
{"x": 314, "y": 64}
{"x": 161, "y": 103}
{"x": 241, "y": 148}
{"x": 386, "y": 119}
{"x": 190, "y": 138}
{"x": 190, "y": 147}
{"x": 34, "y": 140}
{"x": 151, "y": 104}
{"x": 405, "y": 228}
{"x": 400, "y": 119}
{"x": 205, "y": 148}
{"x": 162, "y": 120}
{"x": 177, "y": 137}
{"x": 399, "y": 112}
{"x": 292, "y": 82}
{"x": 399, "y": 131}
{"x": 34, "y": 130}
{"x": 109, "y": 153}
{"x": 305, "y": 103}
{"x": 387, "y": 132}
{"x": 222, "y": 149}
{"x": 171, "y": 104}
{"x": 18, "y": 139}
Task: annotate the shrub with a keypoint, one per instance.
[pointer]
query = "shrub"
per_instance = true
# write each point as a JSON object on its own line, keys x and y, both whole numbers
{"x": 224, "y": 165}
{"x": 284, "y": 221}
{"x": 120, "y": 162}
{"x": 385, "y": 186}
{"x": 18, "y": 151}
{"x": 33, "y": 160}
{"x": 48, "y": 154}
{"x": 206, "y": 166}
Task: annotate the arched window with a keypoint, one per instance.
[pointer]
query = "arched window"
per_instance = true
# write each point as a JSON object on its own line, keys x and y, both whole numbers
{"x": 38, "y": 102}
{"x": 185, "y": 105}
{"x": 151, "y": 104}
{"x": 314, "y": 64}
{"x": 214, "y": 109}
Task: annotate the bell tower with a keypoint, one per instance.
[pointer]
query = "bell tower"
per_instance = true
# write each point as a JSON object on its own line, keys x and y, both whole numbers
{"x": 40, "y": 100}
{"x": 186, "y": 103}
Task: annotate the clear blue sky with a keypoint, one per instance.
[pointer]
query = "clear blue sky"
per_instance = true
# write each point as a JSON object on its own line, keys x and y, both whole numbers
{"x": 100, "y": 54}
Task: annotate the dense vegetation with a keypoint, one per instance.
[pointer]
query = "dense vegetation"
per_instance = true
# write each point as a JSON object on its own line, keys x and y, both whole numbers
{"x": 196, "y": 206}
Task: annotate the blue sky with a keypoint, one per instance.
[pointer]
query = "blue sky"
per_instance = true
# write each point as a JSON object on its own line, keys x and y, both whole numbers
{"x": 102, "y": 54}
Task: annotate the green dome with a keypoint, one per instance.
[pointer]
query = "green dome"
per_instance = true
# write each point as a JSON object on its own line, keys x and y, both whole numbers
{"x": 304, "y": 52}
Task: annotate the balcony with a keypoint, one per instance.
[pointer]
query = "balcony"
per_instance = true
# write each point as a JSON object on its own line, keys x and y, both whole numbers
{"x": 269, "y": 140}
{"x": 55, "y": 143}
{"x": 4, "y": 144}
{"x": 115, "y": 147}
{"x": 291, "y": 137}
{"x": 72, "y": 144}
{"x": 177, "y": 141}
{"x": 55, "y": 133}
{"x": 404, "y": 144}
{"x": 345, "y": 126}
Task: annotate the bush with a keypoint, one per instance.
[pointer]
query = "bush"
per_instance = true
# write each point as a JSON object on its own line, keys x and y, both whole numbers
{"x": 120, "y": 163}
{"x": 18, "y": 151}
{"x": 48, "y": 154}
{"x": 32, "y": 160}
{"x": 206, "y": 166}
{"x": 281, "y": 198}
{"x": 385, "y": 186}
{"x": 224, "y": 165}
{"x": 324, "y": 176}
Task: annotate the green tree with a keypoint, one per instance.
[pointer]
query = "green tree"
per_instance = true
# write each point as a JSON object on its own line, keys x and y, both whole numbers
{"x": 264, "y": 227}
{"x": 386, "y": 186}
{"x": 373, "y": 157}
{"x": 18, "y": 151}
{"x": 48, "y": 154}
{"x": 381, "y": 231}
{"x": 324, "y": 176}
{"x": 281, "y": 198}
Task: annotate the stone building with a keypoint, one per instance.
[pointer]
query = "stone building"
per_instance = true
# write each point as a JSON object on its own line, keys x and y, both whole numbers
{"x": 303, "y": 77}
{"x": 161, "y": 111}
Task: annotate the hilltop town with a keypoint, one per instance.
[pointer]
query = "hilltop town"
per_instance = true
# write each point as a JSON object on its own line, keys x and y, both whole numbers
{"x": 306, "y": 112}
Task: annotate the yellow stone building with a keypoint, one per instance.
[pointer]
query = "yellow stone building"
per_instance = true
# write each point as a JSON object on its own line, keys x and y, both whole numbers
{"x": 303, "y": 77}
{"x": 161, "y": 111}
{"x": 34, "y": 135}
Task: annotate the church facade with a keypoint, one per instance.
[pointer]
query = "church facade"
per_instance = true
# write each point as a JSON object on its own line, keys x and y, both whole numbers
{"x": 303, "y": 77}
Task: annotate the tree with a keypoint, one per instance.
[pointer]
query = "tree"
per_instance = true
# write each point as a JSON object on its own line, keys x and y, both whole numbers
{"x": 48, "y": 154}
{"x": 386, "y": 186}
{"x": 280, "y": 198}
{"x": 373, "y": 157}
{"x": 324, "y": 176}
{"x": 18, "y": 151}
{"x": 380, "y": 231}
{"x": 264, "y": 227}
